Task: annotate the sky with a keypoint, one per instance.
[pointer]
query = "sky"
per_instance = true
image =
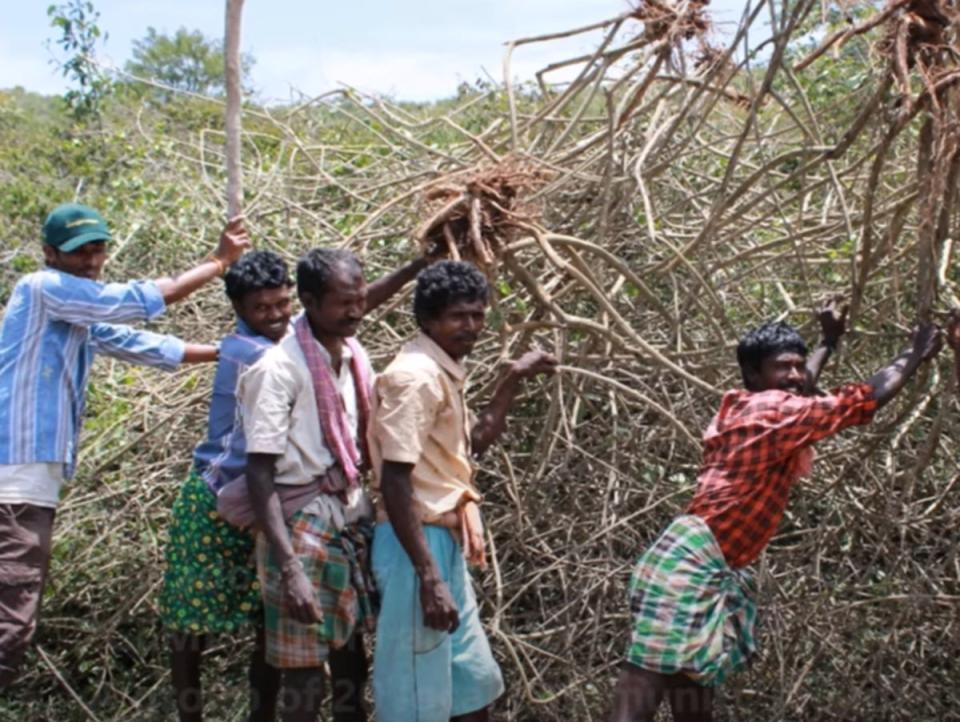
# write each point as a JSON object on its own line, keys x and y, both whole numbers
{"x": 411, "y": 51}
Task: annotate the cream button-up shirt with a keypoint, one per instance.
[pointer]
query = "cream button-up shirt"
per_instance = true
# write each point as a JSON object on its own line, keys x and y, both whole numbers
{"x": 420, "y": 417}
{"x": 279, "y": 410}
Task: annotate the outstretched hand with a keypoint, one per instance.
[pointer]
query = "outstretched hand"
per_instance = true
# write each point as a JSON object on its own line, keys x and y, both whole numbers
{"x": 533, "y": 363}
{"x": 233, "y": 241}
{"x": 833, "y": 320}
{"x": 953, "y": 331}
{"x": 927, "y": 341}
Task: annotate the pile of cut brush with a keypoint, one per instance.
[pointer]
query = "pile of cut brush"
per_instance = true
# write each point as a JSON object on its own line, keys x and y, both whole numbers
{"x": 636, "y": 209}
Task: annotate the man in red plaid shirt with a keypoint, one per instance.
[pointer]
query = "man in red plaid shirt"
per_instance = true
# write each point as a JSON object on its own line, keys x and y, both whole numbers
{"x": 691, "y": 595}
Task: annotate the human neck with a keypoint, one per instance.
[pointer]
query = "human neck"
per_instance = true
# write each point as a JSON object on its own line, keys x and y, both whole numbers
{"x": 333, "y": 345}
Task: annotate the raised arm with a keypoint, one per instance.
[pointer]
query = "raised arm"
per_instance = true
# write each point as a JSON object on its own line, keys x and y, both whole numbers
{"x": 381, "y": 290}
{"x": 833, "y": 324}
{"x": 86, "y": 302}
{"x": 887, "y": 382}
{"x": 493, "y": 419}
{"x": 233, "y": 242}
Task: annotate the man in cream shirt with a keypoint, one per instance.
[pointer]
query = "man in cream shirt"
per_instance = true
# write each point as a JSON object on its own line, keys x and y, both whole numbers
{"x": 304, "y": 406}
{"x": 432, "y": 661}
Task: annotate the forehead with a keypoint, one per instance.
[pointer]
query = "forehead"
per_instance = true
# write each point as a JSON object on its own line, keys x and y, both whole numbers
{"x": 458, "y": 307}
{"x": 345, "y": 281}
{"x": 91, "y": 247}
{"x": 266, "y": 295}
{"x": 785, "y": 358}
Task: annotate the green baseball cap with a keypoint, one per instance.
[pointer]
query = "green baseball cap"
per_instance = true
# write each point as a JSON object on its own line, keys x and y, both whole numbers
{"x": 71, "y": 225}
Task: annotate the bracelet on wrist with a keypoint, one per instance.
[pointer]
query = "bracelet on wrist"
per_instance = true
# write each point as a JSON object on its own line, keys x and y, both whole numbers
{"x": 221, "y": 266}
{"x": 291, "y": 566}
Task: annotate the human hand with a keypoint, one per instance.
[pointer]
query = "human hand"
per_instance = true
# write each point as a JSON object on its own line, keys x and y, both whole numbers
{"x": 833, "y": 320}
{"x": 298, "y": 595}
{"x": 233, "y": 241}
{"x": 439, "y": 610}
{"x": 533, "y": 363}
{"x": 471, "y": 530}
{"x": 927, "y": 341}
{"x": 953, "y": 331}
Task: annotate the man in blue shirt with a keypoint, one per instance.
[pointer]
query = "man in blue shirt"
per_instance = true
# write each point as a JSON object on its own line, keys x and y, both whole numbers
{"x": 210, "y": 584}
{"x": 55, "y": 321}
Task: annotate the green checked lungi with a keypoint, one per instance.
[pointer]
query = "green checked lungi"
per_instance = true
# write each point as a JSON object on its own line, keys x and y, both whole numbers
{"x": 336, "y": 561}
{"x": 692, "y": 613}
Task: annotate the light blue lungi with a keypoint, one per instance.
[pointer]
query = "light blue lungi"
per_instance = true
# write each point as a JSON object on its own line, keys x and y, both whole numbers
{"x": 422, "y": 674}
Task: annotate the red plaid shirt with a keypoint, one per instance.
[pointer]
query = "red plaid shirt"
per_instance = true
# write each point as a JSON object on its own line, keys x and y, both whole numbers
{"x": 757, "y": 445}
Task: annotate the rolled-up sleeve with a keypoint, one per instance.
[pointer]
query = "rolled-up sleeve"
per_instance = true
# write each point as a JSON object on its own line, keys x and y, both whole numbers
{"x": 85, "y": 302}
{"x": 406, "y": 411}
{"x": 266, "y": 394}
{"x": 137, "y": 346}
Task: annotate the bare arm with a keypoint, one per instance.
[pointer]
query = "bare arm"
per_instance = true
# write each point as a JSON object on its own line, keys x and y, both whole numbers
{"x": 493, "y": 419}
{"x": 195, "y": 353}
{"x": 439, "y": 610}
{"x": 381, "y": 290}
{"x": 297, "y": 590}
{"x": 833, "y": 324}
{"x": 233, "y": 242}
{"x": 888, "y": 381}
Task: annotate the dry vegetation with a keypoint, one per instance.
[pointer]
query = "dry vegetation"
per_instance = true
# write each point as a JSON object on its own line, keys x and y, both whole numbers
{"x": 634, "y": 221}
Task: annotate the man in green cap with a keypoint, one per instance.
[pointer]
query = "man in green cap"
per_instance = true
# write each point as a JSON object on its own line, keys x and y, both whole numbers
{"x": 55, "y": 321}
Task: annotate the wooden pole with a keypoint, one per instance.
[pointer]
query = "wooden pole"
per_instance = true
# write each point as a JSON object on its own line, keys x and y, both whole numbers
{"x": 231, "y": 50}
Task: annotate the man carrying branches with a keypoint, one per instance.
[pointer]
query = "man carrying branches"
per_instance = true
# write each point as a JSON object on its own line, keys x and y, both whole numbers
{"x": 691, "y": 593}
{"x": 433, "y": 662}
{"x": 56, "y": 320}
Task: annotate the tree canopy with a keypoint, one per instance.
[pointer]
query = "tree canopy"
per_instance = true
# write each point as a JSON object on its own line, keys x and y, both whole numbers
{"x": 186, "y": 60}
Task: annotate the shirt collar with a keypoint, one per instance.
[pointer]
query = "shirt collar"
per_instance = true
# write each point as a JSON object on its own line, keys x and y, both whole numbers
{"x": 427, "y": 345}
{"x": 243, "y": 329}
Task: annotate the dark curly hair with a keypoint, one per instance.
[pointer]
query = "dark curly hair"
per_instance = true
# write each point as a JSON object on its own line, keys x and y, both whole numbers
{"x": 445, "y": 283}
{"x": 318, "y": 266}
{"x": 255, "y": 271}
{"x": 767, "y": 340}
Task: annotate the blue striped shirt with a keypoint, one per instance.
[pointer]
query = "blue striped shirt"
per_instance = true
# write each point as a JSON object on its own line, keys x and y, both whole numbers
{"x": 222, "y": 457}
{"x": 53, "y": 325}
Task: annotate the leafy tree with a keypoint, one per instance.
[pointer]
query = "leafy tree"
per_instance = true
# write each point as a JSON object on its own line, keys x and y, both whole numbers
{"x": 77, "y": 22}
{"x": 185, "y": 61}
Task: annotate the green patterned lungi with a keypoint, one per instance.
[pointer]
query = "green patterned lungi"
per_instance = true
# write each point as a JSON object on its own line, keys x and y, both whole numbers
{"x": 692, "y": 613}
{"x": 210, "y": 584}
